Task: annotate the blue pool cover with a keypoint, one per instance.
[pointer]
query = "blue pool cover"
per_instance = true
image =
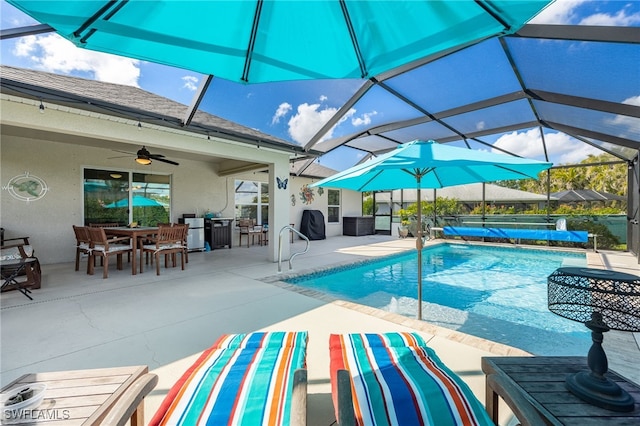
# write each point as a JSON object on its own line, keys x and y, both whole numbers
{"x": 525, "y": 234}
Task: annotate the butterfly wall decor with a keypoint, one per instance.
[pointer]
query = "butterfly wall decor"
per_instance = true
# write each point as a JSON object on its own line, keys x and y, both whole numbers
{"x": 282, "y": 183}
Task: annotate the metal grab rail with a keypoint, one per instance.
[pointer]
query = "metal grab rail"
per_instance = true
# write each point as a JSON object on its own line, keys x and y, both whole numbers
{"x": 304, "y": 237}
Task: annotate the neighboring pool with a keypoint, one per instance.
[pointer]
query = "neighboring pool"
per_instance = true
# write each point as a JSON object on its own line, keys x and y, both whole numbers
{"x": 495, "y": 293}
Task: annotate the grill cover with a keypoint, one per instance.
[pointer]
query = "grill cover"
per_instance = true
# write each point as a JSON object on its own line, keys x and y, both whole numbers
{"x": 312, "y": 225}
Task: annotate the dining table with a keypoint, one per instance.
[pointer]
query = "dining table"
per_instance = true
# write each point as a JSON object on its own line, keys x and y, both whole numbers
{"x": 135, "y": 234}
{"x": 78, "y": 397}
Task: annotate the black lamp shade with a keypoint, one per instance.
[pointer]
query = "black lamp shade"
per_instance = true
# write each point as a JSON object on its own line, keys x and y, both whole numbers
{"x": 602, "y": 300}
{"x": 575, "y": 293}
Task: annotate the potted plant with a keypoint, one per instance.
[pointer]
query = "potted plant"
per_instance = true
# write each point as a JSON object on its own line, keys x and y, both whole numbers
{"x": 403, "y": 228}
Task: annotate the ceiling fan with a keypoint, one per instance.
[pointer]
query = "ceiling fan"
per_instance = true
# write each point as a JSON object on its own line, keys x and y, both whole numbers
{"x": 144, "y": 157}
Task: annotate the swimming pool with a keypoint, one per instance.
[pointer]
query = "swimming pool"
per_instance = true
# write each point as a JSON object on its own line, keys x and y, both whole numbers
{"x": 491, "y": 292}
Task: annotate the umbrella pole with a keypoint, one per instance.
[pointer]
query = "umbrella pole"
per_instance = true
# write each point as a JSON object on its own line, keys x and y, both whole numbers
{"x": 419, "y": 248}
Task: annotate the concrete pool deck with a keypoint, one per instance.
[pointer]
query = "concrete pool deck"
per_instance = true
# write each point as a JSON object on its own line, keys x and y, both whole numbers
{"x": 77, "y": 321}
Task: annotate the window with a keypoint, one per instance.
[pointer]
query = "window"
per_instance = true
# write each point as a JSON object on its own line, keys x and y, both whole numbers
{"x": 252, "y": 201}
{"x": 333, "y": 208}
{"x": 107, "y": 198}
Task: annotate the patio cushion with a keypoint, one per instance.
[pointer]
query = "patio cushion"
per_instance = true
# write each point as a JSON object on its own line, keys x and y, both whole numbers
{"x": 112, "y": 247}
{"x": 13, "y": 253}
{"x": 397, "y": 380}
{"x": 162, "y": 246}
{"x": 243, "y": 379}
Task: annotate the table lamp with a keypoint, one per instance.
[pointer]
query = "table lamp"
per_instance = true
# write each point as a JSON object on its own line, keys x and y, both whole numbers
{"x": 603, "y": 300}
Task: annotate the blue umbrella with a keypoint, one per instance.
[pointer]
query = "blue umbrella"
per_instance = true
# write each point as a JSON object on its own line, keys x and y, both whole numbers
{"x": 138, "y": 201}
{"x": 262, "y": 41}
{"x": 427, "y": 164}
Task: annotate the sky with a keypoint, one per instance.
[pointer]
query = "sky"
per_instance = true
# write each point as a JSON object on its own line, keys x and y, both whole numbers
{"x": 292, "y": 111}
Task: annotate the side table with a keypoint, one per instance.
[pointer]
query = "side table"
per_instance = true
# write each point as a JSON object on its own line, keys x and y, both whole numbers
{"x": 540, "y": 382}
{"x": 79, "y": 397}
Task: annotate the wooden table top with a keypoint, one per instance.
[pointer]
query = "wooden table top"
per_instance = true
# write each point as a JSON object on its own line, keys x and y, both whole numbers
{"x": 542, "y": 380}
{"x": 125, "y": 230}
{"x": 79, "y": 397}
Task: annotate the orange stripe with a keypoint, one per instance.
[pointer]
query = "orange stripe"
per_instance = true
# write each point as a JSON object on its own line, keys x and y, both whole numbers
{"x": 458, "y": 399}
{"x": 345, "y": 362}
{"x": 178, "y": 390}
{"x": 276, "y": 409}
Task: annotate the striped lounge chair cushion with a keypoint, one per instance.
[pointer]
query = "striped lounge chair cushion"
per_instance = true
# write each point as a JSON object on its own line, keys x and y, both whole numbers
{"x": 397, "y": 380}
{"x": 243, "y": 379}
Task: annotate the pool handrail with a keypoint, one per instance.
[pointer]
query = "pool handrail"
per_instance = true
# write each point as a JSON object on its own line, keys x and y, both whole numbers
{"x": 301, "y": 235}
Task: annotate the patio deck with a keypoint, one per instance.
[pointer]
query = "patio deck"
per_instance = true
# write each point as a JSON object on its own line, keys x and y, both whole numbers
{"x": 77, "y": 321}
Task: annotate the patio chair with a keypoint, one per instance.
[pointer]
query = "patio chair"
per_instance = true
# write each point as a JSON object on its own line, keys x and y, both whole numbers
{"x": 395, "y": 379}
{"x": 168, "y": 241}
{"x": 185, "y": 234}
{"x": 83, "y": 244}
{"x": 250, "y": 379}
{"x": 128, "y": 406}
{"x": 18, "y": 275}
{"x": 104, "y": 248}
{"x": 250, "y": 229}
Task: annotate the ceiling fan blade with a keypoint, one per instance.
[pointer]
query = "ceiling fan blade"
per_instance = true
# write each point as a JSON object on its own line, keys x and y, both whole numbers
{"x": 164, "y": 160}
{"x": 124, "y": 152}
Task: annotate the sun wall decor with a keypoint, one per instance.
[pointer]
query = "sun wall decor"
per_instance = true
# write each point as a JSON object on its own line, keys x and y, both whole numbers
{"x": 306, "y": 194}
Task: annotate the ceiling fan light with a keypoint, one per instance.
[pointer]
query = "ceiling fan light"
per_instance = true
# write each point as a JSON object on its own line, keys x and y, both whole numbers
{"x": 115, "y": 175}
{"x": 143, "y": 156}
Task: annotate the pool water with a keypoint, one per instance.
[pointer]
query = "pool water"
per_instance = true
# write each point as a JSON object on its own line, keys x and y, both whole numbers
{"x": 495, "y": 293}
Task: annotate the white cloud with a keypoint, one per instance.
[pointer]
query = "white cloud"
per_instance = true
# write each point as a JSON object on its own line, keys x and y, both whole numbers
{"x": 364, "y": 119}
{"x": 323, "y": 98}
{"x": 190, "y": 82}
{"x": 634, "y": 100}
{"x": 562, "y": 148}
{"x": 558, "y": 12}
{"x": 619, "y": 19}
{"x": 53, "y": 53}
{"x": 310, "y": 118}
{"x": 307, "y": 121}
{"x": 480, "y": 125}
{"x": 631, "y": 123}
{"x": 564, "y": 12}
{"x": 283, "y": 110}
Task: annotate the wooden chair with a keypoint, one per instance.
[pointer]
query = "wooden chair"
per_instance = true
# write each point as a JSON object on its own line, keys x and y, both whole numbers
{"x": 185, "y": 233}
{"x": 108, "y": 225}
{"x": 168, "y": 241}
{"x": 130, "y": 406}
{"x": 83, "y": 244}
{"x": 249, "y": 228}
{"x": 104, "y": 248}
{"x": 264, "y": 237}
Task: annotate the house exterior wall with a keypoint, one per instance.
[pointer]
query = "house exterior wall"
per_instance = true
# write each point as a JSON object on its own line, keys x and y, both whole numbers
{"x": 56, "y": 146}
{"x": 316, "y": 199}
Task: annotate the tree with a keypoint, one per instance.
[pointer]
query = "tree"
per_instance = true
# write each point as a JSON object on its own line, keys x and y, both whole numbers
{"x": 610, "y": 178}
{"x": 367, "y": 204}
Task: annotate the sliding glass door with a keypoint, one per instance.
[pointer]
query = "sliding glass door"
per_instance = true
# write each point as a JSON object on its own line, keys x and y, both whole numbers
{"x": 108, "y": 198}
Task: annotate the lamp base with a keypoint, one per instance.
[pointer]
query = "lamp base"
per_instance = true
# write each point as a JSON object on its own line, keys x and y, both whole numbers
{"x": 600, "y": 391}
